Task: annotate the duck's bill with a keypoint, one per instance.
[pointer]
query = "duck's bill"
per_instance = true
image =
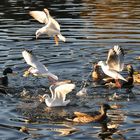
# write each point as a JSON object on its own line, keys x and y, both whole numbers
{"x": 14, "y": 73}
{"x": 112, "y": 107}
{"x": 26, "y": 73}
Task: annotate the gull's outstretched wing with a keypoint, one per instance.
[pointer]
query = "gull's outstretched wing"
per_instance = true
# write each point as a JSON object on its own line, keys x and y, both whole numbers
{"x": 40, "y": 68}
{"x": 29, "y": 58}
{"x": 115, "y": 59}
{"x": 63, "y": 89}
{"x": 39, "y": 16}
{"x": 54, "y": 24}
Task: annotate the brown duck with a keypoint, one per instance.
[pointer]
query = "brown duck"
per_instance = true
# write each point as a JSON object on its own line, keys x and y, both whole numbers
{"x": 85, "y": 118}
{"x": 130, "y": 79}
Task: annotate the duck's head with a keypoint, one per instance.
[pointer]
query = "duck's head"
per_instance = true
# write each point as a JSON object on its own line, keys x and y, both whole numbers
{"x": 96, "y": 72}
{"x": 96, "y": 67}
{"x": 130, "y": 69}
{"x": 105, "y": 107}
{"x": 7, "y": 71}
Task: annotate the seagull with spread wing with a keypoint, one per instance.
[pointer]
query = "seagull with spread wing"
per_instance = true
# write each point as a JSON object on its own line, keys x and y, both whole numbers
{"x": 51, "y": 28}
{"x": 59, "y": 90}
{"x": 114, "y": 64}
{"x": 37, "y": 68}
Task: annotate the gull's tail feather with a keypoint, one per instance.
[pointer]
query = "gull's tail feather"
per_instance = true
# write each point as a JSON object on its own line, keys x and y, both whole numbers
{"x": 52, "y": 76}
{"x": 122, "y": 78}
{"x": 61, "y": 37}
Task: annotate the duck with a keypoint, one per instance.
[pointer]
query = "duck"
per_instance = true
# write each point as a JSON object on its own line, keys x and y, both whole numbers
{"x": 136, "y": 77}
{"x": 4, "y": 78}
{"x": 58, "y": 90}
{"x": 96, "y": 74}
{"x": 51, "y": 28}
{"x": 89, "y": 117}
{"x": 37, "y": 68}
{"x": 130, "y": 79}
{"x": 114, "y": 64}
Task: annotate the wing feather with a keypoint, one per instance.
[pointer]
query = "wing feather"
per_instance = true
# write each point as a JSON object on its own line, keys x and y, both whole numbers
{"x": 63, "y": 89}
{"x": 39, "y": 16}
{"x": 32, "y": 61}
{"x": 54, "y": 24}
{"x": 115, "y": 59}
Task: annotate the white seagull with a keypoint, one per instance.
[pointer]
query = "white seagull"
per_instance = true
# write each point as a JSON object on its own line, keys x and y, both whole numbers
{"x": 51, "y": 28}
{"x": 114, "y": 64}
{"x": 59, "y": 90}
{"x": 37, "y": 68}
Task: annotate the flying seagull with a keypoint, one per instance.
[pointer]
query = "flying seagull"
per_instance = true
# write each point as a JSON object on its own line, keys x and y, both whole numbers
{"x": 37, "y": 68}
{"x": 51, "y": 28}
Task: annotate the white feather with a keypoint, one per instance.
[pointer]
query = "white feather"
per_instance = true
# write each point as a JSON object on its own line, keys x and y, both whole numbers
{"x": 59, "y": 93}
{"x": 51, "y": 28}
{"x": 37, "y": 69}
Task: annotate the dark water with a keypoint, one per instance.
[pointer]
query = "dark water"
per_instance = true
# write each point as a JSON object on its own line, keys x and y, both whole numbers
{"x": 91, "y": 28}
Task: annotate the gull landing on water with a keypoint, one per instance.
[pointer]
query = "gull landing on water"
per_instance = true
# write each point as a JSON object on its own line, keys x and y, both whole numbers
{"x": 59, "y": 90}
{"x": 51, "y": 28}
{"x": 114, "y": 64}
{"x": 37, "y": 68}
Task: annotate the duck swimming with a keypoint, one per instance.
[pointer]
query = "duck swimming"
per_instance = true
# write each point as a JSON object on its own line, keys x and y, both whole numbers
{"x": 96, "y": 74}
{"x": 114, "y": 64}
{"x": 4, "y": 78}
{"x": 136, "y": 77}
{"x": 86, "y": 118}
{"x": 130, "y": 79}
{"x": 51, "y": 28}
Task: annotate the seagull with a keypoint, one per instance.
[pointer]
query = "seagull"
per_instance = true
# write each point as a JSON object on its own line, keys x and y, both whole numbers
{"x": 114, "y": 64}
{"x": 51, "y": 28}
{"x": 37, "y": 68}
{"x": 59, "y": 90}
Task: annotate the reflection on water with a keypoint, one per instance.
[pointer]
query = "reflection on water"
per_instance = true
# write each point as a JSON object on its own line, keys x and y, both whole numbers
{"x": 91, "y": 28}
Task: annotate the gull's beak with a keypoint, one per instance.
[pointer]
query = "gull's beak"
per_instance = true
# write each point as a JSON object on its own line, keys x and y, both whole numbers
{"x": 26, "y": 73}
{"x": 37, "y": 36}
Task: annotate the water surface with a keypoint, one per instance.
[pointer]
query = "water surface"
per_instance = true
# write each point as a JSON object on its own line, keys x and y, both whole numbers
{"x": 91, "y": 27}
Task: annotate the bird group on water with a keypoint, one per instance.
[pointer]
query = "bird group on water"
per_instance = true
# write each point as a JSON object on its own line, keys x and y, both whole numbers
{"x": 104, "y": 72}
